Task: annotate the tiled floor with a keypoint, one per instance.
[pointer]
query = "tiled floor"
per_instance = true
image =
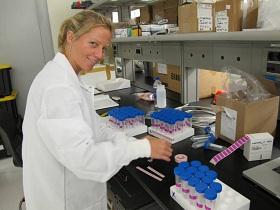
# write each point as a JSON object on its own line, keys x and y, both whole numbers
{"x": 11, "y": 191}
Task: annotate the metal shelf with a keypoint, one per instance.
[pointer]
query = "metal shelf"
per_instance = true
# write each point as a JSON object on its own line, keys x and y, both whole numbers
{"x": 210, "y": 36}
{"x": 246, "y": 51}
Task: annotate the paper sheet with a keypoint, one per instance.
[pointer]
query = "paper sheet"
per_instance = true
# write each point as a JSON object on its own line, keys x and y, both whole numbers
{"x": 228, "y": 123}
{"x": 103, "y": 101}
{"x": 162, "y": 68}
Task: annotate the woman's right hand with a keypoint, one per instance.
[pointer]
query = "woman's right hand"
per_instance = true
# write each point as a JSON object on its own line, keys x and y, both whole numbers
{"x": 160, "y": 149}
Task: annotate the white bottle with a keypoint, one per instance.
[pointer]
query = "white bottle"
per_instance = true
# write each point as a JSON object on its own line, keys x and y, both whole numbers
{"x": 155, "y": 85}
{"x": 161, "y": 96}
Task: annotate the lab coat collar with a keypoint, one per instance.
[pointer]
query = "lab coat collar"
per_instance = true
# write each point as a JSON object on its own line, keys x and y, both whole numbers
{"x": 65, "y": 64}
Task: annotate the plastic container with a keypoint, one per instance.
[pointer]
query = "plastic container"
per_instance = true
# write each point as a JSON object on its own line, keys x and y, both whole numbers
{"x": 212, "y": 174}
{"x": 156, "y": 83}
{"x": 178, "y": 172}
{"x": 217, "y": 187}
{"x": 200, "y": 189}
{"x": 185, "y": 184}
{"x": 210, "y": 199}
{"x": 203, "y": 168}
{"x": 161, "y": 96}
{"x": 192, "y": 194}
{"x": 196, "y": 163}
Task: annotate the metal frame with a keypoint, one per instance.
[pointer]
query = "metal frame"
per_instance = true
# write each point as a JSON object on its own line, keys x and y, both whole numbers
{"x": 244, "y": 50}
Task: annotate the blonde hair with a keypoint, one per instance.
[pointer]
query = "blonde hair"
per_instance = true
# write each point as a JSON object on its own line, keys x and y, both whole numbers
{"x": 80, "y": 24}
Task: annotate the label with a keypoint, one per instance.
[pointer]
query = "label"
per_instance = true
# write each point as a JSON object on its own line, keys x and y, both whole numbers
{"x": 162, "y": 68}
{"x": 228, "y": 123}
{"x": 205, "y": 23}
{"x": 222, "y": 21}
{"x": 204, "y": 10}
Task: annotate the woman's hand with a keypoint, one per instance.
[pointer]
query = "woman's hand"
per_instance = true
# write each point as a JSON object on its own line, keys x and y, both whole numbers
{"x": 160, "y": 149}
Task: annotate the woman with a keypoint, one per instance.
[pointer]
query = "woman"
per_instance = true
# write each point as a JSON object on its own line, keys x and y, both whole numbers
{"x": 68, "y": 153}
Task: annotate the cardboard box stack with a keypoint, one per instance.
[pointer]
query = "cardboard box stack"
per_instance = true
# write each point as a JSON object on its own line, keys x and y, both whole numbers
{"x": 222, "y": 16}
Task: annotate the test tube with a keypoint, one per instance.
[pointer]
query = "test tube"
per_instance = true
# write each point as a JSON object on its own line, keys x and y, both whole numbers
{"x": 185, "y": 184}
{"x": 203, "y": 168}
{"x": 210, "y": 199}
{"x": 192, "y": 169}
{"x": 184, "y": 165}
{"x": 192, "y": 193}
{"x": 178, "y": 173}
{"x": 195, "y": 163}
{"x": 212, "y": 174}
{"x": 217, "y": 187}
{"x": 200, "y": 189}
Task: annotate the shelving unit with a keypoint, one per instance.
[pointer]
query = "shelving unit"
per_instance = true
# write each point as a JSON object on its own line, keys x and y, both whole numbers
{"x": 247, "y": 51}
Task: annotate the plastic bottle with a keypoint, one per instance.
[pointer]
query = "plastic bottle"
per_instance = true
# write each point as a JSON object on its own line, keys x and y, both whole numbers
{"x": 155, "y": 85}
{"x": 161, "y": 96}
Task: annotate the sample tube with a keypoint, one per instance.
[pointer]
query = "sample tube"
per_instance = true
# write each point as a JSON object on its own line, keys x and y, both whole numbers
{"x": 210, "y": 199}
{"x": 217, "y": 187}
{"x": 195, "y": 163}
{"x": 200, "y": 189}
{"x": 185, "y": 184}
{"x": 178, "y": 173}
{"x": 192, "y": 194}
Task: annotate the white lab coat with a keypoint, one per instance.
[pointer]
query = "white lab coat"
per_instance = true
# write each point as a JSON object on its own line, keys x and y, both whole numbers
{"x": 68, "y": 153}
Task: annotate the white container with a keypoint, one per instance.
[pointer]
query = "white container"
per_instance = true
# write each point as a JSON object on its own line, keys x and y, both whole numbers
{"x": 161, "y": 96}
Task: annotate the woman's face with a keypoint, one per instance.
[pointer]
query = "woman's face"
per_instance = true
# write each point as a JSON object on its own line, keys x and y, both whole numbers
{"x": 83, "y": 53}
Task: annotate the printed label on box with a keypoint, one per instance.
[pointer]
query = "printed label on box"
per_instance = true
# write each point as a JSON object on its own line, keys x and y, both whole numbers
{"x": 162, "y": 68}
{"x": 205, "y": 23}
{"x": 222, "y": 21}
{"x": 228, "y": 123}
{"x": 204, "y": 10}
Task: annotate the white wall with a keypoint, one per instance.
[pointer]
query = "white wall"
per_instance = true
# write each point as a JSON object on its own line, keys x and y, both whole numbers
{"x": 25, "y": 42}
{"x": 59, "y": 10}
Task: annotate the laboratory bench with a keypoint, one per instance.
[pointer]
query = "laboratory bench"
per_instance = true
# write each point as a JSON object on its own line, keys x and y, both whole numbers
{"x": 229, "y": 170}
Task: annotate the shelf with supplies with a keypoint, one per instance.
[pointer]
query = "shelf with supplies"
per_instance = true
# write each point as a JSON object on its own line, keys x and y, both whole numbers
{"x": 247, "y": 50}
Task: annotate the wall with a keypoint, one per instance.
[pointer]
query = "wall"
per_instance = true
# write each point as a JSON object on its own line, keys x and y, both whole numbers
{"x": 59, "y": 10}
{"x": 25, "y": 42}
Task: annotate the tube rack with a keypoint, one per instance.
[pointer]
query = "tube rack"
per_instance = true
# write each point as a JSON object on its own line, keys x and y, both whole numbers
{"x": 228, "y": 199}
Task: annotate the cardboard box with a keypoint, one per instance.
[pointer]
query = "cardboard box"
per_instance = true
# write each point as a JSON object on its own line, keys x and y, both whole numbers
{"x": 196, "y": 17}
{"x": 228, "y": 15}
{"x": 159, "y": 71}
{"x": 240, "y": 118}
{"x": 174, "y": 78}
{"x": 250, "y": 15}
{"x": 145, "y": 14}
{"x": 259, "y": 147}
{"x": 166, "y": 9}
{"x": 210, "y": 82}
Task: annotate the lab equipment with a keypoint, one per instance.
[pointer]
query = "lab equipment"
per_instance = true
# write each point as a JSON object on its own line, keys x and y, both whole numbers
{"x": 210, "y": 199}
{"x": 171, "y": 124}
{"x": 178, "y": 172}
{"x": 196, "y": 193}
{"x": 161, "y": 96}
{"x": 200, "y": 188}
{"x": 127, "y": 119}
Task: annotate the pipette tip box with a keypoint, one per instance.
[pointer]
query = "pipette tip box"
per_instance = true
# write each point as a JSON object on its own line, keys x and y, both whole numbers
{"x": 187, "y": 132}
{"x": 228, "y": 199}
